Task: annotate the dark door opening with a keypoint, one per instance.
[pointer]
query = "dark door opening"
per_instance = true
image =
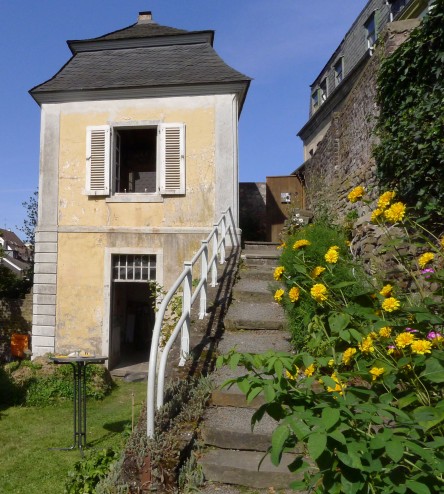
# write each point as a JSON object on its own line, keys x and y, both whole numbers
{"x": 132, "y": 323}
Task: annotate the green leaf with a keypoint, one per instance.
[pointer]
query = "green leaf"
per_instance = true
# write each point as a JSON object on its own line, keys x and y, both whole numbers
{"x": 434, "y": 370}
{"x": 278, "y": 438}
{"x": 330, "y": 417}
{"x": 316, "y": 444}
{"x": 234, "y": 360}
{"x": 405, "y": 401}
{"x": 394, "y": 449}
{"x": 338, "y": 321}
{"x": 269, "y": 393}
{"x": 428, "y": 417}
{"x": 337, "y": 436}
{"x": 417, "y": 487}
{"x": 299, "y": 427}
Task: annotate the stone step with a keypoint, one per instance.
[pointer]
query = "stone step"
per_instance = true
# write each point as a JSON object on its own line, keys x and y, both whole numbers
{"x": 251, "y": 316}
{"x": 233, "y": 397}
{"x": 230, "y": 428}
{"x": 263, "y": 246}
{"x": 249, "y": 342}
{"x": 257, "y": 291}
{"x": 247, "y": 468}
{"x": 257, "y": 272}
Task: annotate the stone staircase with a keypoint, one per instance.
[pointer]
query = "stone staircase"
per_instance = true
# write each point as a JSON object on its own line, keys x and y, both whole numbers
{"x": 254, "y": 323}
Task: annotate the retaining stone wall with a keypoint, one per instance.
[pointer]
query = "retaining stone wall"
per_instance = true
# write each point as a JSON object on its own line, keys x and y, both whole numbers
{"x": 252, "y": 210}
{"x": 15, "y": 317}
{"x": 343, "y": 159}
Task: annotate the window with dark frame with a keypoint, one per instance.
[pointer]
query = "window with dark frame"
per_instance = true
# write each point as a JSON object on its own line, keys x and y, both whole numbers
{"x": 133, "y": 267}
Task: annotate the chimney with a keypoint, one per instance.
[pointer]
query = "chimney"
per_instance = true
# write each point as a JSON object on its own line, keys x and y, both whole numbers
{"x": 145, "y": 17}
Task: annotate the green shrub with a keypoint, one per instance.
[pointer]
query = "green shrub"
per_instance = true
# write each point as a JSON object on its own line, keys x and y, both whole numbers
{"x": 410, "y": 154}
{"x": 42, "y": 383}
{"x": 89, "y": 471}
{"x": 299, "y": 263}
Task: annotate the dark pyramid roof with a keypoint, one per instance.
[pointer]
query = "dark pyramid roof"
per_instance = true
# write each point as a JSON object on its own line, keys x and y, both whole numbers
{"x": 138, "y": 58}
{"x": 147, "y": 67}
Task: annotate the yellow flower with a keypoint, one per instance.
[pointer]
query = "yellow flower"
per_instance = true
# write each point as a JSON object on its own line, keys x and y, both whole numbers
{"x": 385, "y": 332}
{"x": 356, "y": 194}
{"x": 376, "y": 214}
{"x": 319, "y": 292}
{"x": 331, "y": 363}
{"x": 404, "y": 339}
{"x": 294, "y": 294}
{"x": 332, "y": 256}
{"x": 278, "y": 295}
{"x": 421, "y": 347}
{"x": 391, "y": 304}
{"x": 425, "y": 259}
{"x": 339, "y": 388}
{"x": 386, "y": 290}
{"x": 277, "y": 275}
{"x": 317, "y": 271}
{"x": 282, "y": 246}
{"x": 309, "y": 370}
{"x": 334, "y": 247}
{"x": 442, "y": 242}
{"x": 373, "y": 335}
{"x": 376, "y": 372}
{"x": 366, "y": 345}
{"x": 300, "y": 243}
{"x": 347, "y": 356}
{"x": 395, "y": 212}
{"x": 291, "y": 376}
{"x": 385, "y": 199}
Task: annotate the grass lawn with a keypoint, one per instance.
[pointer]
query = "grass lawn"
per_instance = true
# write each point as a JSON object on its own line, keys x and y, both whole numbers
{"x": 28, "y": 466}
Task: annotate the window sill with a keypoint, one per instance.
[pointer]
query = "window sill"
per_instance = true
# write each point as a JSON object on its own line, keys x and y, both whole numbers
{"x": 134, "y": 197}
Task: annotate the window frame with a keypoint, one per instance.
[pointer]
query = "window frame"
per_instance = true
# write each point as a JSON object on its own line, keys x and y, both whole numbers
{"x": 371, "y": 36}
{"x": 170, "y": 161}
{"x": 339, "y": 63}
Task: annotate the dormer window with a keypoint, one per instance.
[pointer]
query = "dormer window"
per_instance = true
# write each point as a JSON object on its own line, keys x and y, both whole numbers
{"x": 323, "y": 91}
{"x": 315, "y": 100}
{"x": 370, "y": 30}
{"x": 339, "y": 71}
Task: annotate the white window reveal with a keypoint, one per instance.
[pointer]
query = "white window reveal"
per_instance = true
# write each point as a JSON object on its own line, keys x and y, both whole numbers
{"x": 370, "y": 30}
{"x": 136, "y": 160}
{"x": 134, "y": 268}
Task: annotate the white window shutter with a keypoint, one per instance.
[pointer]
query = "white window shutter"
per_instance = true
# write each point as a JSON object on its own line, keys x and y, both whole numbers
{"x": 172, "y": 158}
{"x": 98, "y": 160}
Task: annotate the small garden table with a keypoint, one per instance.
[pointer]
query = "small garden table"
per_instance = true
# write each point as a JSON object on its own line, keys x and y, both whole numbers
{"x": 79, "y": 381}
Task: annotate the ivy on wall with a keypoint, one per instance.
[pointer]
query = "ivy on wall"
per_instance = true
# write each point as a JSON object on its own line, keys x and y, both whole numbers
{"x": 410, "y": 155}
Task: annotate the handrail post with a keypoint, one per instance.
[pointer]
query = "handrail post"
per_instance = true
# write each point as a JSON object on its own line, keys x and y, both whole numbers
{"x": 215, "y": 248}
{"x": 223, "y": 235}
{"x": 186, "y": 307}
{"x": 204, "y": 277}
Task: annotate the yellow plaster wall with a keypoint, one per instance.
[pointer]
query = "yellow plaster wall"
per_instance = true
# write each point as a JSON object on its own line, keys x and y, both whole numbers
{"x": 81, "y": 279}
{"x": 196, "y": 208}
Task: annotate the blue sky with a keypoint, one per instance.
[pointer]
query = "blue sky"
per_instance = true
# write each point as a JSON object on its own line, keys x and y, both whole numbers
{"x": 281, "y": 44}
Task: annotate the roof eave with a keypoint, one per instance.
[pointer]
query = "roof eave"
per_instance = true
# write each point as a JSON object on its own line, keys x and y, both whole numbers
{"x": 76, "y": 95}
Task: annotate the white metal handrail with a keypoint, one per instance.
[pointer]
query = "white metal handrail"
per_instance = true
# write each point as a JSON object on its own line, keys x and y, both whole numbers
{"x": 217, "y": 240}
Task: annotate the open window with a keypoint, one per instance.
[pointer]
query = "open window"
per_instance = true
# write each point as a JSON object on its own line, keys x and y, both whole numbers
{"x": 370, "y": 31}
{"x": 127, "y": 160}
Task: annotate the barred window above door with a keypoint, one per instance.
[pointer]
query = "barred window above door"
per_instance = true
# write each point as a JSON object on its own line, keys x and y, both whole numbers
{"x": 134, "y": 268}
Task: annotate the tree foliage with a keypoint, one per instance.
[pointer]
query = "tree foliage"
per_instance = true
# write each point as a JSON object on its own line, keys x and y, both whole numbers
{"x": 410, "y": 156}
{"x": 30, "y": 223}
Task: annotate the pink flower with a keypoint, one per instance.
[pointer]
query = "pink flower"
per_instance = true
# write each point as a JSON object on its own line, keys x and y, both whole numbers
{"x": 411, "y": 330}
{"x": 428, "y": 272}
{"x": 434, "y": 335}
